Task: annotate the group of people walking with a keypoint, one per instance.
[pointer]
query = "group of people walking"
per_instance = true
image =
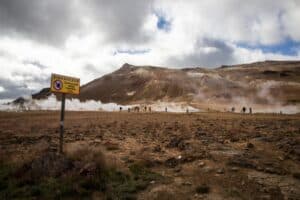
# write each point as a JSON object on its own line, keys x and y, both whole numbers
{"x": 244, "y": 110}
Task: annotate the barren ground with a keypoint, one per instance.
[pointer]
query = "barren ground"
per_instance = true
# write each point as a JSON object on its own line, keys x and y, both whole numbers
{"x": 182, "y": 156}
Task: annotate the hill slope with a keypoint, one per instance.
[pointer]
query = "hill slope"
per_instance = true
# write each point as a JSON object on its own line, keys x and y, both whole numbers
{"x": 263, "y": 83}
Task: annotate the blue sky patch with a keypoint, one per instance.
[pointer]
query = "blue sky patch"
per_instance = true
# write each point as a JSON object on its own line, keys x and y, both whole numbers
{"x": 288, "y": 47}
{"x": 162, "y": 22}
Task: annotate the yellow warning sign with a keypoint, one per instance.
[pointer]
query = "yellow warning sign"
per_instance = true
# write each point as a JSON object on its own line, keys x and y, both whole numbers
{"x": 65, "y": 84}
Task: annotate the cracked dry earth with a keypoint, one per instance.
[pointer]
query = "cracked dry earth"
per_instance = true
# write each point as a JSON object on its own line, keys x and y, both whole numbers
{"x": 200, "y": 155}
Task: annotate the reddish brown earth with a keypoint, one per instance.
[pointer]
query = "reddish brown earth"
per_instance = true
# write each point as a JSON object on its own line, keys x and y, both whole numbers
{"x": 198, "y": 156}
{"x": 265, "y": 83}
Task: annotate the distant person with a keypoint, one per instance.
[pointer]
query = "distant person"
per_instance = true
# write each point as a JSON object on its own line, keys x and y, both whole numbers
{"x": 250, "y": 110}
{"x": 121, "y": 108}
{"x": 187, "y": 110}
{"x": 232, "y": 109}
{"x": 244, "y": 109}
{"x": 128, "y": 109}
{"x": 136, "y": 109}
{"x": 166, "y": 109}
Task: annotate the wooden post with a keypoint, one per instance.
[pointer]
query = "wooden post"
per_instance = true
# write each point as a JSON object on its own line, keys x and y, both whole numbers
{"x": 62, "y": 116}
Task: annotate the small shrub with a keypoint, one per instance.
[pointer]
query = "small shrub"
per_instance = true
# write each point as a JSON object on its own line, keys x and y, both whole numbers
{"x": 141, "y": 172}
{"x": 87, "y": 154}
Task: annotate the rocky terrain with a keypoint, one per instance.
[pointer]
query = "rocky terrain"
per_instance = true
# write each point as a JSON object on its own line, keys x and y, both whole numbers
{"x": 121, "y": 155}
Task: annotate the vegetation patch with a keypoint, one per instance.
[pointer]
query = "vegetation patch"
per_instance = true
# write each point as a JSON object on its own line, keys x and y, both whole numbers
{"x": 81, "y": 180}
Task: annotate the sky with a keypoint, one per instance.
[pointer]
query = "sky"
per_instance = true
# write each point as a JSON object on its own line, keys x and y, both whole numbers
{"x": 90, "y": 38}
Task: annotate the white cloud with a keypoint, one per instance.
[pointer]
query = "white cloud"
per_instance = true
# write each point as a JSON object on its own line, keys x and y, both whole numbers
{"x": 202, "y": 33}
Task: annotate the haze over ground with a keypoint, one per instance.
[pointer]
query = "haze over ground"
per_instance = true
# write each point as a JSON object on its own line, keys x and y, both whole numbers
{"x": 90, "y": 39}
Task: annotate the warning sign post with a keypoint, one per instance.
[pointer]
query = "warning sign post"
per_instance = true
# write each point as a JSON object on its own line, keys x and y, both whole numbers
{"x": 65, "y": 85}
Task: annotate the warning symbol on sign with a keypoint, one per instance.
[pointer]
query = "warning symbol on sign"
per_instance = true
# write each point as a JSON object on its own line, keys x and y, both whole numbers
{"x": 58, "y": 84}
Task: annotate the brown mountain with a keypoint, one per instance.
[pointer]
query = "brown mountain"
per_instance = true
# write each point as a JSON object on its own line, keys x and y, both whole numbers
{"x": 264, "y": 83}
{"x": 261, "y": 82}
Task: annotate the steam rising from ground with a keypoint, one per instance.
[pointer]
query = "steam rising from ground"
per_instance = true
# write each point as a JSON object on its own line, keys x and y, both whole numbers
{"x": 52, "y": 103}
{"x": 263, "y": 96}
{"x": 75, "y": 105}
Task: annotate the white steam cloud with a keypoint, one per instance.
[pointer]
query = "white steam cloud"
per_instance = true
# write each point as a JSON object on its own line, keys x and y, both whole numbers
{"x": 52, "y": 103}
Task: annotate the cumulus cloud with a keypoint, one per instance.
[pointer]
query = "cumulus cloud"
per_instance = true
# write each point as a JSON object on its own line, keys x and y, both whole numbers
{"x": 88, "y": 39}
{"x": 45, "y": 21}
{"x": 120, "y": 21}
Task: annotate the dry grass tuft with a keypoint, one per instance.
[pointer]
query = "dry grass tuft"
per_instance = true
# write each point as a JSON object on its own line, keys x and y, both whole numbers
{"x": 86, "y": 154}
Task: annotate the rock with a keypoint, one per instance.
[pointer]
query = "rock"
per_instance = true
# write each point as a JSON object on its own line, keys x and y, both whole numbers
{"x": 250, "y": 145}
{"x": 234, "y": 169}
{"x": 296, "y": 150}
{"x": 177, "y": 142}
{"x": 226, "y": 141}
{"x": 192, "y": 156}
{"x": 202, "y": 189}
{"x": 207, "y": 169}
{"x": 187, "y": 183}
{"x": 220, "y": 171}
{"x": 157, "y": 149}
{"x": 296, "y": 175}
{"x": 281, "y": 158}
{"x": 177, "y": 169}
{"x": 201, "y": 164}
{"x": 242, "y": 161}
{"x": 271, "y": 170}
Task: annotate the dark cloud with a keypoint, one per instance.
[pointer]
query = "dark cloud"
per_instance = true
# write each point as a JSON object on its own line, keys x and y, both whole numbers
{"x": 122, "y": 21}
{"x": 13, "y": 89}
{"x": 221, "y": 55}
{"x": 53, "y": 21}
{"x": 42, "y": 20}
